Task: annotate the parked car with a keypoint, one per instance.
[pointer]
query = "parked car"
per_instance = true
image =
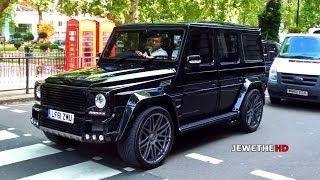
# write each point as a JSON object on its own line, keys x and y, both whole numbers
{"x": 270, "y": 51}
{"x": 143, "y": 104}
{"x": 295, "y": 73}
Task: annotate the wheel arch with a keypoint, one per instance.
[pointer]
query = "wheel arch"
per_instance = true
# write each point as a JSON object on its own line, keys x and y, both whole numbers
{"x": 138, "y": 103}
{"x": 249, "y": 84}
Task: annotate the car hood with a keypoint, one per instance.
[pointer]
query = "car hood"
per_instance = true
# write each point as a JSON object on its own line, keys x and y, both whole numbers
{"x": 110, "y": 76}
{"x": 297, "y": 66}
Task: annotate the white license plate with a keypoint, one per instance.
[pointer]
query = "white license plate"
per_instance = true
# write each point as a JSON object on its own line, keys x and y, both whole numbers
{"x": 297, "y": 92}
{"x": 61, "y": 116}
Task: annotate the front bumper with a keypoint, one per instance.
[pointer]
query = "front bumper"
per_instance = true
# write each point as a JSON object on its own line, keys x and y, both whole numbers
{"x": 84, "y": 129}
{"x": 278, "y": 90}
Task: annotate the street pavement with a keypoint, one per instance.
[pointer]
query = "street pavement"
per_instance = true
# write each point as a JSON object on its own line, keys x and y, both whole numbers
{"x": 25, "y": 153}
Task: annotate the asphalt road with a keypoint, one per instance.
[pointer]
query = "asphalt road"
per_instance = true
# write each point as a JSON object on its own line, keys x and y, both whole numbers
{"x": 205, "y": 154}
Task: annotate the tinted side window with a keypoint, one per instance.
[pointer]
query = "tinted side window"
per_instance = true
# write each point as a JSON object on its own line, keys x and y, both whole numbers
{"x": 201, "y": 44}
{"x": 274, "y": 48}
{"x": 228, "y": 47}
{"x": 251, "y": 47}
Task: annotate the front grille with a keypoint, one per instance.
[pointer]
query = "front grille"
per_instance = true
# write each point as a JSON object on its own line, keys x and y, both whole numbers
{"x": 299, "y": 79}
{"x": 65, "y": 98}
{"x": 61, "y": 126}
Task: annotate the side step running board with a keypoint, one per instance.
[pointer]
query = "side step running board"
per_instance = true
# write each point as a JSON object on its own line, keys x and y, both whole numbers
{"x": 207, "y": 122}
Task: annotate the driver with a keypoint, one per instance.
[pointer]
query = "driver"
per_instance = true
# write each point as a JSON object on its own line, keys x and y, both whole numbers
{"x": 156, "y": 44}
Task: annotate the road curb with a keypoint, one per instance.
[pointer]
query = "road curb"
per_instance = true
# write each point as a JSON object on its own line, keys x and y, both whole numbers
{"x": 16, "y": 100}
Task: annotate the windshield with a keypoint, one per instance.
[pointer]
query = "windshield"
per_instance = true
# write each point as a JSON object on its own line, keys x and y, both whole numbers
{"x": 302, "y": 47}
{"x": 131, "y": 45}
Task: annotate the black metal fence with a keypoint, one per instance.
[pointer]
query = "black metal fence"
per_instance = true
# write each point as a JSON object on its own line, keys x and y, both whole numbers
{"x": 21, "y": 70}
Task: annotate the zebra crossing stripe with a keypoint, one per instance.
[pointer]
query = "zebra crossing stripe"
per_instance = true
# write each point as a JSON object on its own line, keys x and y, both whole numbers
{"x": 85, "y": 170}
{"x": 4, "y": 135}
{"x": 18, "y": 111}
{"x": 25, "y": 153}
{"x": 4, "y": 107}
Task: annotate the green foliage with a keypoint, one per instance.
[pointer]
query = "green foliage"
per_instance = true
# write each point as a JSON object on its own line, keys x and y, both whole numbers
{"x": 269, "y": 20}
{"x": 295, "y": 30}
{"x": 17, "y": 35}
{"x": 28, "y": 36}
{"x": 17, "y": 45}
{"x": 42, "y": 35}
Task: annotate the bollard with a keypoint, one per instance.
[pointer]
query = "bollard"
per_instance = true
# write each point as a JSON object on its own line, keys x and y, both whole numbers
{"x": 27, "y": 75}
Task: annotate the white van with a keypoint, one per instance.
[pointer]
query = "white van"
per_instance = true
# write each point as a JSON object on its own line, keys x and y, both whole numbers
{"x": 295, "y": 72}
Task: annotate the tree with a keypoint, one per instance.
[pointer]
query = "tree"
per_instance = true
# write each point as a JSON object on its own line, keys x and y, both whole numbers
{"x": 46, "y": 28}
{"x": 40, "y": 5}
{"x": 4, "y": 4}
{"x": 270, "y": 19}
{"x": 28, "y": 36}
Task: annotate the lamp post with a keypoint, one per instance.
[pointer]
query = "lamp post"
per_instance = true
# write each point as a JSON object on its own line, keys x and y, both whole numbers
{"x": 297, "y": 20}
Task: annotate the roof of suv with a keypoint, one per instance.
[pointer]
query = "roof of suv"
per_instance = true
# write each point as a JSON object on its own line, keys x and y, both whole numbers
{"x": 199, "y": 23}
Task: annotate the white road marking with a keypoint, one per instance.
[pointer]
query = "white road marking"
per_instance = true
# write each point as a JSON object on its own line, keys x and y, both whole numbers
{"x": 129, "y": 169}
{"x": 11, "y": 129}
{"x": 204, "y": 158}
{"x": 18, "y": 111}
{"x": 70, "y": 149}
{"x": 25, "y": 153}
{"x": 270, "y": 175}
{"x": 46, "y": 142}
{"x": 27, "y": 135}
{"x": 97, "y": 158}
{"x": 4, "y": 107}
{"x": 86, "y": 170}
{"x": 4, "y": 135}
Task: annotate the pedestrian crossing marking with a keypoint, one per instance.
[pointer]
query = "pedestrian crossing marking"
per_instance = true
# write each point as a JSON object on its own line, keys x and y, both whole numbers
{"x": 4, "y": 107}
{"x": 18, "y": 111}
{"x": 85, "y": 170}
{"x": 4, "y": 135}
{"x": 25, "y": 153}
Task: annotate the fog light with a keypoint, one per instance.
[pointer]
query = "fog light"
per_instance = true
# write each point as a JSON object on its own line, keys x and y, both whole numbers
{"x": 101, "y": 138}
{"x": 87, "y": 137}
{"x": 94, "y": 137}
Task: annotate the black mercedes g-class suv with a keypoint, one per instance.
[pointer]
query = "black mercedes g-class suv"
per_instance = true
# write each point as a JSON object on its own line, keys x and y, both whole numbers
{"x": 196, "y": 74}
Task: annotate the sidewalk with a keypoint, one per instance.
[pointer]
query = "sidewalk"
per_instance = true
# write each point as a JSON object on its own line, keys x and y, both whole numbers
{"x": 7, "y": 97}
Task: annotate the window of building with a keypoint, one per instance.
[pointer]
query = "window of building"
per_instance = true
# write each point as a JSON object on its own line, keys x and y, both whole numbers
{"x": 23, "y": 28}
{"x": 228, "y": 47}
{"x": 251, "y": 47}
{"x": 201, "y": 44}
{"x": 59, "y": 23}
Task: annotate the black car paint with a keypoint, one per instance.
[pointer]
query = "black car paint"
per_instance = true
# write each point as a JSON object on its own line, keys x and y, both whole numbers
{"x": 128, "y": 89}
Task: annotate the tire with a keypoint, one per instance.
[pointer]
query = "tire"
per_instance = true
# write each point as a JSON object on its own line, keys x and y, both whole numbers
{"x": 275, "y": 100}
{"x": 157, "y": 140}
{"x": 251, "y": 111}
{"x": 59, "y": 140}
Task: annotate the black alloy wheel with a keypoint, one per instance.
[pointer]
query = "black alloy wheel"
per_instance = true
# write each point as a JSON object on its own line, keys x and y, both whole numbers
{"x": 149, "y": 139}
{"x": 251, "y": 111}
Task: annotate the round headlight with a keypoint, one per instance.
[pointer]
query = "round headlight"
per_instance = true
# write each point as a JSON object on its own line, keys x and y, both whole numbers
{"x": 38, "y": 92}
{"x": 100, "y": 101}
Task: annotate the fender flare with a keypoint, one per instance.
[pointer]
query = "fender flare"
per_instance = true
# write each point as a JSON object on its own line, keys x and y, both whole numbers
{"x": 135, "y": 102}
{"x": 247, "y": 85}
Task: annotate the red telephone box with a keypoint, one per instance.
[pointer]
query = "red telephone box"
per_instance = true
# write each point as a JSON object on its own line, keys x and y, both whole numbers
{"x": 81, "y": 43}
{"x": 72, "y": 44}
{"x": 105, "y": 30}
